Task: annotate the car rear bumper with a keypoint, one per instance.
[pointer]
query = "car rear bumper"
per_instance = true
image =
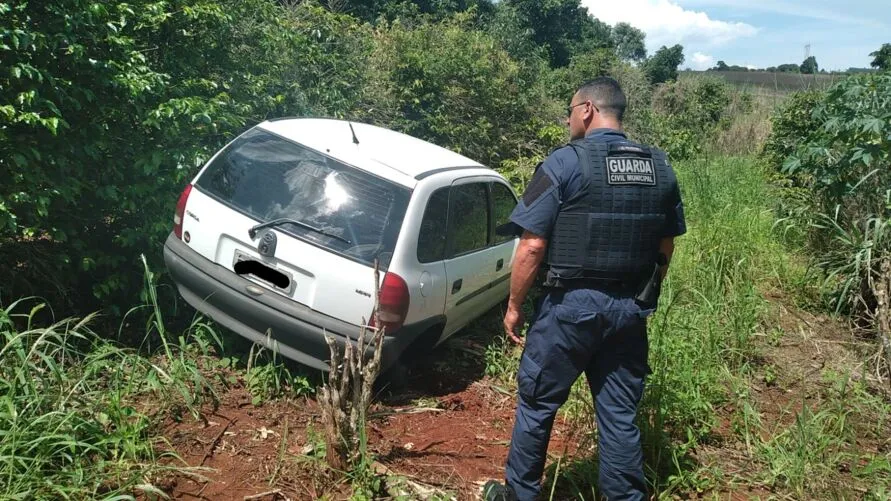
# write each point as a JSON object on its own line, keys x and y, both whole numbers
{"x": 295, "y": 331}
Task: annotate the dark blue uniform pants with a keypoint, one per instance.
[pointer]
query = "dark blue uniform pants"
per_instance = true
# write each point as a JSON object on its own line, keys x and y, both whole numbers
{"x": 605, "y": 336}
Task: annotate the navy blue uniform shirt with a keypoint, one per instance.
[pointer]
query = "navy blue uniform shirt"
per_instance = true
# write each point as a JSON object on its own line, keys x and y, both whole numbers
{"x": 537, "y": 210}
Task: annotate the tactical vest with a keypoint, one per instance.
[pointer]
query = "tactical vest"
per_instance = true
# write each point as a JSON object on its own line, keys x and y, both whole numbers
{"x": 610, "y": 230}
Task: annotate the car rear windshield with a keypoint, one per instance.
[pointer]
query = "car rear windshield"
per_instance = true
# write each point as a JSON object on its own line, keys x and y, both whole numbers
{"x": 268, "y": 177}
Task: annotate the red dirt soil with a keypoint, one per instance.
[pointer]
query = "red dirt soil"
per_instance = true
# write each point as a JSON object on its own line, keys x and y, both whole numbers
{"x": 443, "y": 431}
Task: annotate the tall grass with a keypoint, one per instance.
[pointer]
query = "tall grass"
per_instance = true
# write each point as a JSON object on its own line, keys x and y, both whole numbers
{"x": 78, "y": 413}
{"x": 712, "y": 305}
{"x": 69, "y": 427}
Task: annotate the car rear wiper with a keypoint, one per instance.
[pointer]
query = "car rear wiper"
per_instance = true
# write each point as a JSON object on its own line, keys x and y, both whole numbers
{"x": 278, "y": 222}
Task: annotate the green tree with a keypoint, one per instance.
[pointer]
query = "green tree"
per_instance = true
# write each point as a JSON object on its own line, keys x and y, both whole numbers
{"x": 721, "y": 66}
{"x": 809, "y": 66}
{"x": 629, "y": 42}
{"x": 370, "y": 10}
{"x": 564, "y": 27}
{"x": 449, "y": 83}
{"x": 882, "y": 57}
{"x": 107, "y": 108}
{"x": 789, "y": 68}
{"x": 663, "y": 65}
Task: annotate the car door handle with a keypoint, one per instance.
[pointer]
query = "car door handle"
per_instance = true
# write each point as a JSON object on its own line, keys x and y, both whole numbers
{"x": 499, "y": 264}
{"x": 456, "y": 285}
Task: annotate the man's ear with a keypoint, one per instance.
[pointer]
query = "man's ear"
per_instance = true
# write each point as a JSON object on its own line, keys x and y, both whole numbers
{"x": 590, "y": 110}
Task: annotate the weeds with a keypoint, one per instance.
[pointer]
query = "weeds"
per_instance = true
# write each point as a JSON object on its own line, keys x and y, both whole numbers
{"x": 69, "y": 424}
{"x": 805, "y": 455}
{"x": 268, "y": 377}
{"x": 78, "y": 413}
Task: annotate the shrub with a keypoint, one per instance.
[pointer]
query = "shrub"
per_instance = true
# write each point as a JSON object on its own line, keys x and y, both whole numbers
{"x": 846, "y": 162}
{"x": 790, "y": 126}
{"x": 107, "y": 108}
{"x": 684, "y": 116}
{"x": 453, "y": 85}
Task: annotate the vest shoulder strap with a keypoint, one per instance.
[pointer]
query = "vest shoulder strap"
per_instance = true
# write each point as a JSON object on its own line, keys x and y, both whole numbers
{"x": 581, "y": 150}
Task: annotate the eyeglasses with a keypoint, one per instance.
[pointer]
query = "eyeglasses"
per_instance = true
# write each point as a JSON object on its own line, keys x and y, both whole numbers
{"x": 570, "y": 107}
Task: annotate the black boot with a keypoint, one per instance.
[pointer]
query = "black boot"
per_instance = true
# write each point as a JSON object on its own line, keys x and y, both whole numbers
{"x": 496, "y": 491}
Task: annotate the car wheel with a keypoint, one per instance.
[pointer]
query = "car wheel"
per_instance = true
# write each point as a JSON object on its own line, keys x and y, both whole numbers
{"x": 394, "y": 379}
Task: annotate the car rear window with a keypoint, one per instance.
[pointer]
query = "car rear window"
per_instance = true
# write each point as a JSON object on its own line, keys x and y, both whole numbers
{"x": 268, "y": 177}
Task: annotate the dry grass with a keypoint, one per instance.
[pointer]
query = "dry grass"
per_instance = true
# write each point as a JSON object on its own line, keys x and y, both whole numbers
{"x": 776, "y": 82}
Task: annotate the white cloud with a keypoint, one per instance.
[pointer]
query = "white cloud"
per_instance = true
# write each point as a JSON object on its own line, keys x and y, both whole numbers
{"x": 803, "y": 9}
{"x": 667, "y": 23}
{"x": 702, "y": 61}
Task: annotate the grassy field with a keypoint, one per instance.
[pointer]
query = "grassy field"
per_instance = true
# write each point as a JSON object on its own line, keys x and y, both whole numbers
{"x": 774, "y": 82}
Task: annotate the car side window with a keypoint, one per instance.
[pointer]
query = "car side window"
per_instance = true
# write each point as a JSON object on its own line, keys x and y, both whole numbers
{"x": 503, "y": 204}
{"x": 468, "y": 218}
{"x": 432, "y": 236}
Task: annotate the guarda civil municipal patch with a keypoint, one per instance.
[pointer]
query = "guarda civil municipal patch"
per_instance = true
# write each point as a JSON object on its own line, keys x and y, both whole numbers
{"x": 630, "y": 171}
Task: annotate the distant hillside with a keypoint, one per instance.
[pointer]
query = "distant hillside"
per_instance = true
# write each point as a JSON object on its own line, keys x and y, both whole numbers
{"x": 782, "y": 82}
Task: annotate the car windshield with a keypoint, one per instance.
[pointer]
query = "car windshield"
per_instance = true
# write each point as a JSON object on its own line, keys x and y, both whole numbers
{"x": 268, "y": 177}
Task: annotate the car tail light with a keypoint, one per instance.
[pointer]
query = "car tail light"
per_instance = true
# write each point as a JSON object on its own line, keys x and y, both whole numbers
{"x": 181, "y": 211}
{"x": 393, "y": 303}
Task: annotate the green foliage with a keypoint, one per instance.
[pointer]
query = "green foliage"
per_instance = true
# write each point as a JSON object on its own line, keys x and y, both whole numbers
{"x": 882, "y": 57}
{"x": 110, "y": 107}
{"x": 268, "y": 377}
{"x": 722, "y": 66}
{"x": 663, "y": 65}
{"x": 809, "y": 66}
{"x": 564, "y": 27}
{"x": 629, "y": 42}
{"x": 68, "y": 430}
{"x": 790, "y": 126}
{"x": 789, "y": 68}
{"x": 711, "y": 295}
{"x": 449, "y": 83}
{"x": 72, "y": 425}
{"x": 844, "y": 162}
{"x": 685, "y": 116}
{"x": 808, "y": 450}
{"x": 371, "y": 10}
{"x": 563, "y": 82}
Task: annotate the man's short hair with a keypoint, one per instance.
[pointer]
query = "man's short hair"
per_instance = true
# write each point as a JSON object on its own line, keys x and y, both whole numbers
{"x": 606, "y": 94}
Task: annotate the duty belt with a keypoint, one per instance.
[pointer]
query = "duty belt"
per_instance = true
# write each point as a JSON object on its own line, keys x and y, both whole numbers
{"x": 629, "y": 286}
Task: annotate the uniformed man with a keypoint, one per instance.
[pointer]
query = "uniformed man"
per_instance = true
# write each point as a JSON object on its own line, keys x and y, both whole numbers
{"x": 599, "y": 218}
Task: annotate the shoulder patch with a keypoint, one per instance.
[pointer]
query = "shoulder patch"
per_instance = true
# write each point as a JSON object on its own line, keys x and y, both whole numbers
{"x": 539, "y": 184}
{"x": 624, "y": 170}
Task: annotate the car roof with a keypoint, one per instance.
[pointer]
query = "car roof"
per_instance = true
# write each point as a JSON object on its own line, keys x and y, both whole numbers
{"x": 384, "y": 152}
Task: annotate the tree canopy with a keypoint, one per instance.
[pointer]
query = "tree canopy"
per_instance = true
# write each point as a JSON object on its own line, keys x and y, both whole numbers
{"x": 663, "y": 65}
{"x": 629, "y": 42}
{"x": 882, "y": 57}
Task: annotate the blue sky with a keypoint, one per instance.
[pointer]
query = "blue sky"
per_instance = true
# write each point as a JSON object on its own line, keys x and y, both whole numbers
{"x": 757, "y": 33}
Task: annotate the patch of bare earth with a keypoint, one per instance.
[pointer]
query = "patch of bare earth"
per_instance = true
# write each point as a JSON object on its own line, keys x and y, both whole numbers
{"x": 803, "y": 355}
{"x": 449, "y": 429}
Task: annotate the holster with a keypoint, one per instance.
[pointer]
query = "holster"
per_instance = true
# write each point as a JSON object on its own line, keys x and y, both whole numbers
{"x": 648, "y": 293}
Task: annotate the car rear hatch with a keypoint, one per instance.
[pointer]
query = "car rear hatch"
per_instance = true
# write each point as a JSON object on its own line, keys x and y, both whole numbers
{"x": 325, "y": 222}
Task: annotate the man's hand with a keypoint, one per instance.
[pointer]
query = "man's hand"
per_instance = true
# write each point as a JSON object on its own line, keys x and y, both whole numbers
{"x": 513, "y": 324}
{"x": 529, "y": 255}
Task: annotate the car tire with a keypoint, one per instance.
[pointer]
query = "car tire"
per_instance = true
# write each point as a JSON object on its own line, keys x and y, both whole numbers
{"x": 394, "y": 379}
